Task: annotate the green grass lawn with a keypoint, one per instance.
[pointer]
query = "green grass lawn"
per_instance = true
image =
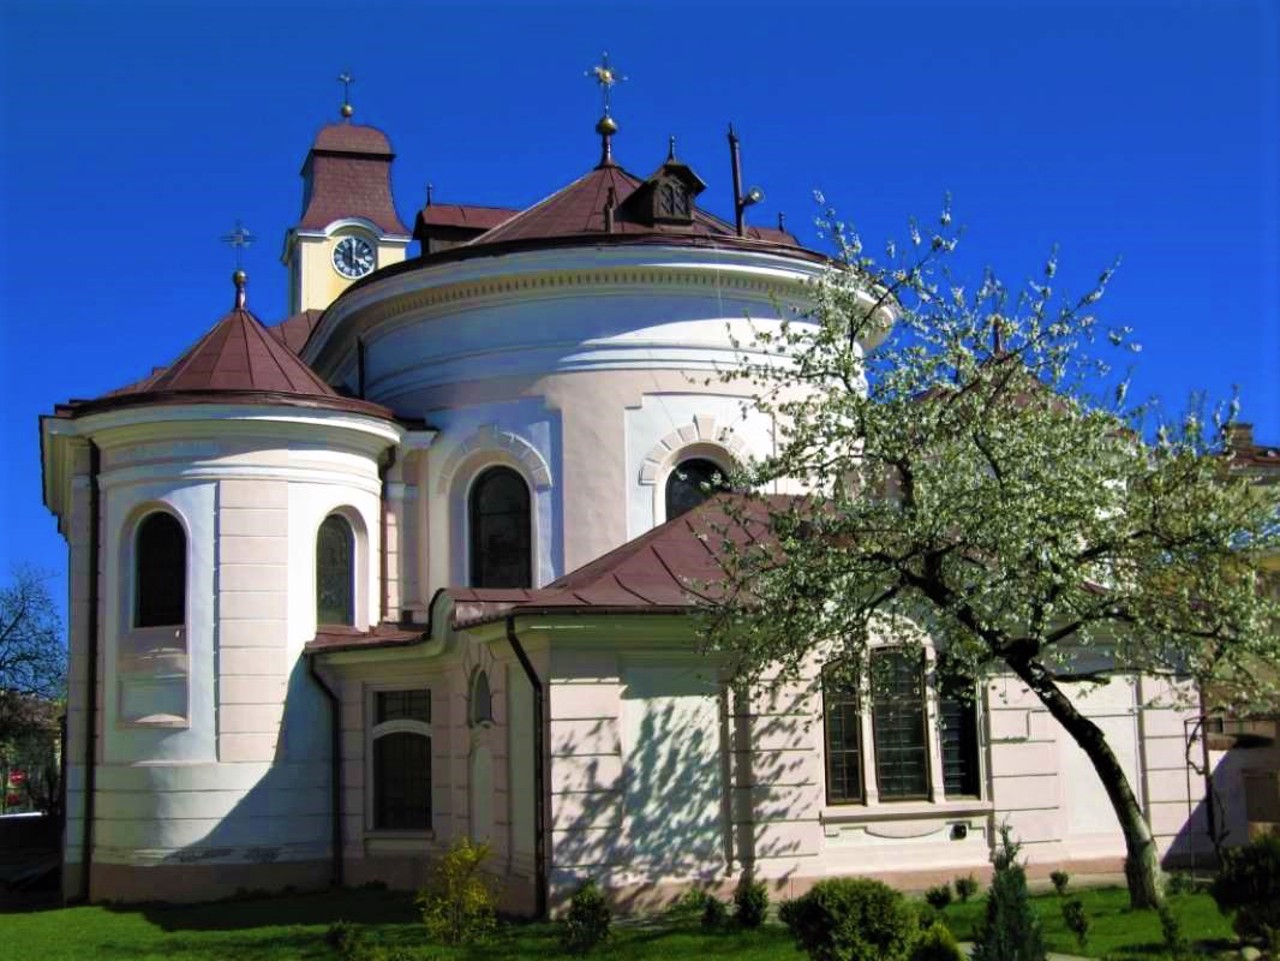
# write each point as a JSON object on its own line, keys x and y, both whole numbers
{"x": 293, "y": 927}
{"x": 1115, "y": 931}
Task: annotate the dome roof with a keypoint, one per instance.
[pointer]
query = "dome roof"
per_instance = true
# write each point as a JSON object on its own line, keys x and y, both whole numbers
{"x": 236, "y": 362}
{"x": 352, "y": 138}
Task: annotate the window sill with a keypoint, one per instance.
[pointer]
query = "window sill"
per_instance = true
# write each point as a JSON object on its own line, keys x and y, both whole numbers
{"x": 906, "y": 810}
{"x": 397, "y": 842}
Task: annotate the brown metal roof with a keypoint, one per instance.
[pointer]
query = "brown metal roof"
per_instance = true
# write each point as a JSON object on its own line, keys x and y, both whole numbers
{"x": 670, "y": 569}
{"x": 352, "y": 138}
{"x": 464, "y": 215}
{"x": 348, "y": 174}
{"x": 335, "y": 638}
{"x": 294, "y": 331}
{"x": 237, "y": 361}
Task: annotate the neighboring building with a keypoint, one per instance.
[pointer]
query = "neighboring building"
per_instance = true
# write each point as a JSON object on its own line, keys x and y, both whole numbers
{"x": 412, "y": 564}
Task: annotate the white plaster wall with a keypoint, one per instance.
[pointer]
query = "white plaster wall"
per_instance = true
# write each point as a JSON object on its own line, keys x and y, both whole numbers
{"x": 244, "y": 781}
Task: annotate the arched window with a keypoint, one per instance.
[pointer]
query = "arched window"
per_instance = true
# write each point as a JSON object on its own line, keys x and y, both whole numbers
{"x": 160, "y": 577}
{"x": 691, "y": 483}
{"x": 480, "y": 710}
{"x": 501, "y": 542}
{"x": 335, "y": 572}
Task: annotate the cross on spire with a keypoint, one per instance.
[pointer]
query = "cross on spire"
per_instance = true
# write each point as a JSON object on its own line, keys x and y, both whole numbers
{"x": 605, "y": 77}
{"x": 238, "y": 239}
{"x": 346, "y": 80}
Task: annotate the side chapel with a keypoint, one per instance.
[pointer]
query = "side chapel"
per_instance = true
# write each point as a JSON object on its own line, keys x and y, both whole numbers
{"x": 411, "y": 564}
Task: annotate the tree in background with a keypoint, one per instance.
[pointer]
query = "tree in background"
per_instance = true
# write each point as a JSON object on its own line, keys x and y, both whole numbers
{"x": 981, "y": 478}
{"x": 32, "y": 687}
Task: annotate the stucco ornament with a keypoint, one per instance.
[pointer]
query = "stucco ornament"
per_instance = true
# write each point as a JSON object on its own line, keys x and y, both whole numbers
{"x": 985, "y": 475}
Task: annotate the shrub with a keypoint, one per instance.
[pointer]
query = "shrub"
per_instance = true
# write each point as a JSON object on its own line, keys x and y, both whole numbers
{"x": 1060, "y": 881}
{"x": 344, "y": 937}
{"x": 937, "y": 944}
{"x": 1180, "y": 883}
{"x": 459, "y": 903}
{"x": 851, "y": 919}
{"x": 715, "y": 914}
{"x": 939, "y": 897}
{"x": 750, "y": 902}
{"x": 1076, "y": 920}
{"x": 1249, "y": 884}
{"x": 691, "y": 904}
{"x": 926, "y": 915}
{"x": 1171, "y": 930}
{"x": 967, "y": 887}
{"x": 586, "y": 923}
{"x": 1011, "y": 930}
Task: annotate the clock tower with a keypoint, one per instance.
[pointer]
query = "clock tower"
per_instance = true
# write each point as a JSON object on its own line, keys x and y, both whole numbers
{"x": 349, "y": 226}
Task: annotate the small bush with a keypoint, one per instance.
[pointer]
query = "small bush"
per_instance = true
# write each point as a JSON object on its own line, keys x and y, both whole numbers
{"x": 1076, "y": 920}
{"x": 750, "y": 903}
{"x": 586, "y": 923}
{"x": 691, "y": 904}
{"x": 1180, "y": 883}
{"x": 939, "y": 897}
{"x": 967, "y": 887}
{"x": 344, "y": 937}
{"x": 926, "y": 915}
{"x": 851, "y": 919}
{"x": 1171, "y": 931}
{"x": 1011, "y": 930}
{"x": 459, "y": 903}
{"x": 937, "y": 944}
{"x": 1060, "y": 881}
{"x": 715, "y": 914}
{"x": 1249, "y": 885}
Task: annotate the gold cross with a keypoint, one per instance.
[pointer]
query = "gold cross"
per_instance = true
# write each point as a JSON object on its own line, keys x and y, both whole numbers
{"x": 606, "y": 76}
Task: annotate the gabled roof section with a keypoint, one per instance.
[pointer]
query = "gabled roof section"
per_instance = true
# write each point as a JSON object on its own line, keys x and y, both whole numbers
{"x": 670, "y": 569}
{"x": 577, "y": 209}
{"x": 294, "y": 331}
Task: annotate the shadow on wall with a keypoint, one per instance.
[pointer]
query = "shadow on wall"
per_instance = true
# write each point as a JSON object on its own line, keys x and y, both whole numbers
{"x": 284, "y": 819}
{"x": 655, "y": 803}
{"x": 1246, "y": 789}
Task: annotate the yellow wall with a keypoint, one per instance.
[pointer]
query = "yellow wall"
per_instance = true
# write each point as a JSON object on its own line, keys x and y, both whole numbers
{"x": 319, "y": 283}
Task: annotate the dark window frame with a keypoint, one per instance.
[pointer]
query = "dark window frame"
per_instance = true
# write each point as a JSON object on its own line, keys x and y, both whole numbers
{"x": 959, "y": 743}
{"x": 481, "y": 570}
{"x": 159, "y": 571}
{"x": 677, "y": 483}
{"x": 400, "y": 761}
{"x": 887, "y": 707}
{"x": 836, "y": 695}
{"x": 345, "y": 606}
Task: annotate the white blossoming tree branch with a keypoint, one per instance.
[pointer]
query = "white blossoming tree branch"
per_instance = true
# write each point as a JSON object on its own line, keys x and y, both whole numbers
{"x": 967, "y": 477}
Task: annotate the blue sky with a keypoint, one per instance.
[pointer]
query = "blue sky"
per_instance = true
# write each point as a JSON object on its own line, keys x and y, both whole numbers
{"x": 132, "y": 135}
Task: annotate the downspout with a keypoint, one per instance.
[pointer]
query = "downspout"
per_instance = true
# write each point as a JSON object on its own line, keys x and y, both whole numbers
{"x": 335, "y": 768}
{"x": 383, "y": 471}
{"x": 539, "y": 773}
{"x": 91, "y": 708}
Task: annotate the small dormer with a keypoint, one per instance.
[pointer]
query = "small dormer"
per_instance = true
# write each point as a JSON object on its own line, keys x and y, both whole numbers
{"x": 667, "y": 197}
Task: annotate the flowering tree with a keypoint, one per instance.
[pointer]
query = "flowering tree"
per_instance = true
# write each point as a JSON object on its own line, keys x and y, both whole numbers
{"x": 966, "y": 478}
{"x": 32, "y": 658}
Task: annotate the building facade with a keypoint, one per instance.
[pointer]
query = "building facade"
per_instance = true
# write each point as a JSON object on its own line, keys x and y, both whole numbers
{"x": 412, "y": 564}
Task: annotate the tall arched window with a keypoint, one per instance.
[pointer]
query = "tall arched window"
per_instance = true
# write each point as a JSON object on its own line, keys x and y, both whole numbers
{"x": 480, "y": 709}
{"x": 335, "y": 572}
{"x": 160, "y": 577}
{"x": 501, "y": 542}
{"x": 691, "y": 483}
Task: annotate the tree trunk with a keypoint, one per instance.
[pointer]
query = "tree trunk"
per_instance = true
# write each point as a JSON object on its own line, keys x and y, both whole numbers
{"x": 1142, "y": 865}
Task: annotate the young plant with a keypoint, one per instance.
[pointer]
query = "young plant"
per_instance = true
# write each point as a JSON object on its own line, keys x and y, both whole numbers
{"x": 715, "y": 914}
{"x": 967, "y": 887}
{"x": 939, "y": 897}
{"x": 459, "y": 903}
{"x": 586, "y": 923}
{"x": 851, "y": 919}
{"x": 751, "y": 903}
{"x": 1011, "y": 930}
{"x": 1060, "y": 881}
{"x": 1077, "y": 921}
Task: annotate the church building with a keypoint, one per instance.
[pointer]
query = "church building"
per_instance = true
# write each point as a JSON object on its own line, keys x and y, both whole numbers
{"x": 412, "y": 564}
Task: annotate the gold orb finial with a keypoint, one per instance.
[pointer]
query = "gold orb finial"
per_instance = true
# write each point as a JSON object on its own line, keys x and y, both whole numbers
{"x": 607, "y": 126}
{"x": 239, "y": 277}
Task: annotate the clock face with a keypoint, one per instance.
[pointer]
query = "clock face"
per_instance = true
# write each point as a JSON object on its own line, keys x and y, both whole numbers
{"x": 353, "y": 257}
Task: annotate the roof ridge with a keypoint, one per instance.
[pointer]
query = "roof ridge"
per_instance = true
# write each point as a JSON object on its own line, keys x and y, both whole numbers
{"x": 273, "y": 348}
{"x": 184, "y": 359}
{"x": 612, "y": 171}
